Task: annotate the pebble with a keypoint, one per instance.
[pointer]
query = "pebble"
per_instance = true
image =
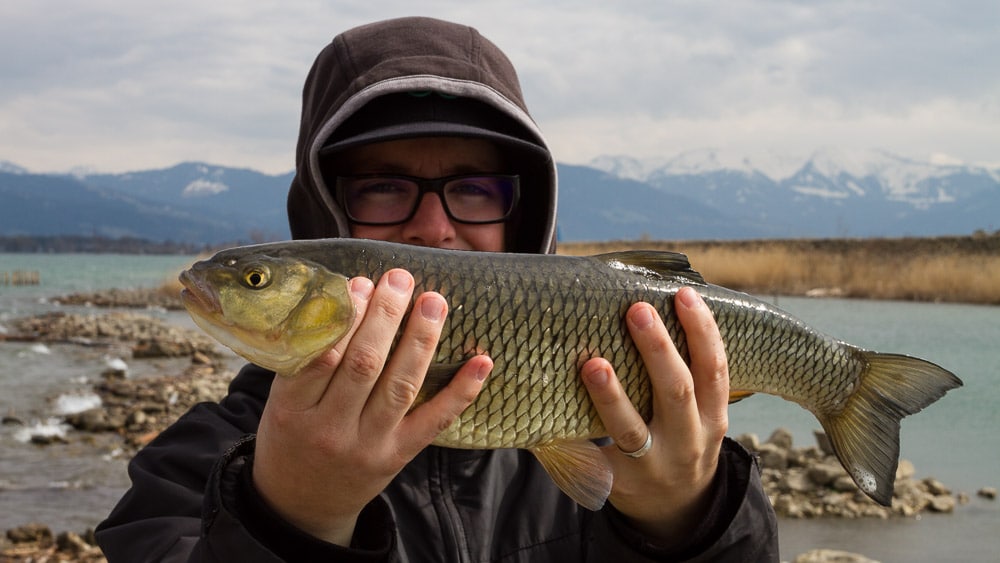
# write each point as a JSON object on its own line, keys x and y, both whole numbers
{"x": 810, "y": 482}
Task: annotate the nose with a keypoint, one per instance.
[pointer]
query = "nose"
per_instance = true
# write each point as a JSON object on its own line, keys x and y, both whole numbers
{"x": 430, "y": 225}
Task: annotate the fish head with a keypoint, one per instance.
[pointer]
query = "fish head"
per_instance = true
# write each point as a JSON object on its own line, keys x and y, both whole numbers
{"x": 279, "y": 312}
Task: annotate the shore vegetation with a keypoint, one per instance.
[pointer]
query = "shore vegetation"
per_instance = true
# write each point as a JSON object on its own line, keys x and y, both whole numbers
{"x": 941, "y": 269}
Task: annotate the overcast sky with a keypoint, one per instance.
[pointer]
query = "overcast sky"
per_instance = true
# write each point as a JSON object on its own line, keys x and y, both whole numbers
{"x": 128, "y": 85}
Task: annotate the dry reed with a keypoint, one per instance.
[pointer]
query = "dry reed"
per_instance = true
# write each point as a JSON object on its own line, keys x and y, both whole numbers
{"x": 952, "y": 269}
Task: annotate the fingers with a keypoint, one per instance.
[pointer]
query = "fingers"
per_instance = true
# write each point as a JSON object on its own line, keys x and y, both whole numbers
{"x": 400, "y": 383}
{"x": 709, "y": 366}
{"x": 364, "y": 357}
{"x": 625, "y": 426}
{"x": 305, "y": 389}
{"x": 429, "y": 419}
{"x": 690, "y": 402}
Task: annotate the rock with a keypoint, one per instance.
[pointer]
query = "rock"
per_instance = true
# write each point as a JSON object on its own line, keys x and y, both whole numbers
{"x": 31, "y": 533}
{"x": 832, "y": 556}
{"x": 823, "y": 442}
{"x": 92, "y": 420}
{"x": 988, "y": 492}
{"x": 824, "y": 474}
{"x": 935, "y": 487}
{"x": 73, "y": 544}
{"x": 943, "y": 503}
{"x": 48, "y": 439}
{"x": 112, "y": 374}
{"x": 772, "y": 456}
{"x": 749, "y": 441}
{"x": 11, "y": 420}
{"x": 844, "y": 484}
{"x": 150, "y": 337}
{"x": 200, "y": 358}
{"x": 782, "y": 438}
{"x": 797, "y": 482}
{"x": 905, "y": 470}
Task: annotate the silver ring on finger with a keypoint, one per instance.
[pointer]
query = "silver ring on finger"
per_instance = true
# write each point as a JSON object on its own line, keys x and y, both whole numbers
{"x": 641, "y": 451}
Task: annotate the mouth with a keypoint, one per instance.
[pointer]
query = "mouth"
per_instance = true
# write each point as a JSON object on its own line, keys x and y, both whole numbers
{"x": 198, "y": 294}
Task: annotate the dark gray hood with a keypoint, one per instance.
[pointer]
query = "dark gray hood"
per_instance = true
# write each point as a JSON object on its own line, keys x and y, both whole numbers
{"x": 415, "y": 55}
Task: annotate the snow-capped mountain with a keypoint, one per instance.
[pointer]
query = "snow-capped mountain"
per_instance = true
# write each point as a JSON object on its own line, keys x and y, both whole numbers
{"x": 832, "y": 192}
{"x": 703, "y": 194}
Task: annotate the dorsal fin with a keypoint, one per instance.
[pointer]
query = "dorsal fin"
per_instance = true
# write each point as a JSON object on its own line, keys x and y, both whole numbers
{"x": 653, "y": 264}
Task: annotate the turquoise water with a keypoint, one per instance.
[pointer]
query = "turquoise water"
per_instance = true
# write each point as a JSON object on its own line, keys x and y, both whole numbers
{"x": 956, "y": 440}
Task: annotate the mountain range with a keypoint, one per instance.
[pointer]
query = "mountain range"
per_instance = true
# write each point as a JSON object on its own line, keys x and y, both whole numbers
{"x": 705, "y": 194}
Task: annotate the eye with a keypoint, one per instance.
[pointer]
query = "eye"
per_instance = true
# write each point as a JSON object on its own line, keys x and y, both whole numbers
{"x": 257, "y": 277}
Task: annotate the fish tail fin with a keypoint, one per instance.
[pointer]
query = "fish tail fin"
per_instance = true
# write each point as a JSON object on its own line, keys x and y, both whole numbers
{"x": 579, "y": 468}
{"x": 865, "y": 433}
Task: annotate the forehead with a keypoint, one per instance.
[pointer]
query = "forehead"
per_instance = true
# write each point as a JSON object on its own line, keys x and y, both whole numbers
{"x": 431, "y": 155}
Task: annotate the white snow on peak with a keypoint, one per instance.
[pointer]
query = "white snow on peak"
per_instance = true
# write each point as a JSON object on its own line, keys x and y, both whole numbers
{"x": 11, "y": 168}
{"x": 627, "y": 167}
{"x": 701, "y": 161}
{"x": 900, "y": 177}
{"x": 203, "y": 187}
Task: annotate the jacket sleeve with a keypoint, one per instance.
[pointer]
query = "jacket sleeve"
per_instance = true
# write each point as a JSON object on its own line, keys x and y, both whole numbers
{"x": 740, "y": 525}
{"x": 188, "y": 501}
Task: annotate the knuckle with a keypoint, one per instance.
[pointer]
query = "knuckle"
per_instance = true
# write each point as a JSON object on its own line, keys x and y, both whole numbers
{"x": 403, "y": 392}
{"x": 391, "y": 308}
{"x": 424, "y": 340}
{"x": 633, "y": 438}
{"x": 681, "y": 391}
{"x": 363, "y": 362}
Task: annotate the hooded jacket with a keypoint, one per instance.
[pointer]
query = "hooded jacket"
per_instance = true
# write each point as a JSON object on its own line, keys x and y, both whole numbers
{"x": 192, "y": 497}
{"x": 408, "y": 55}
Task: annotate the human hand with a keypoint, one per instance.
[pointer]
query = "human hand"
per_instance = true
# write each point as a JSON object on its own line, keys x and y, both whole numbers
{"x": 335, "y": 434}
{"x": 665, "y": 492}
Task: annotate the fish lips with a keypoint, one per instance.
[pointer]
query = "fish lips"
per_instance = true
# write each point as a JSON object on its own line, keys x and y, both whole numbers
{"x": 198, "y": 293}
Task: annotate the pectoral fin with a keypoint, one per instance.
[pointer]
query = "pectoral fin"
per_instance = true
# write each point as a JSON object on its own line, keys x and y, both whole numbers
{"x": 579, "y": 469}
{"x": 736, "y": 396}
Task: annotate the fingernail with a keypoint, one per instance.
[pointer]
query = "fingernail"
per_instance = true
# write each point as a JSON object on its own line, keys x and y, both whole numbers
{"x": 484, "y": 370}
{"x": 362, "y": 288}
{"x": 597, "y": 375}
{"x": 432, "y": 308}
{"x": 689, "y": 298}
{"x": 399, "y": 280}
{"x": 642, "y": 317}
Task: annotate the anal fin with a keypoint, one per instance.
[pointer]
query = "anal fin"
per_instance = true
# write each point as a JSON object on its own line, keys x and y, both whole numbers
{"x": 579, "y": 469}
{"x": 737, "y": 396}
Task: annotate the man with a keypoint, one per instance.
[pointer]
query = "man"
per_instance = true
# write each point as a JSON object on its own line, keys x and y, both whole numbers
{"x": 414, "y": 130}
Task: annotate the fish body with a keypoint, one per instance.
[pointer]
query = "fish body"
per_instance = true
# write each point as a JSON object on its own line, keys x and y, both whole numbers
{"x": 540, "y": 317}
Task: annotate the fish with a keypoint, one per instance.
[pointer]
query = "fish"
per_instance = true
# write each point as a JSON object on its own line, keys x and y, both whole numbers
{"x": 540, "y": 317}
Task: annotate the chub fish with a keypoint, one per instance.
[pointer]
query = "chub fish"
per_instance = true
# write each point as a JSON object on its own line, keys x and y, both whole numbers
{"x": 539, "y": 317}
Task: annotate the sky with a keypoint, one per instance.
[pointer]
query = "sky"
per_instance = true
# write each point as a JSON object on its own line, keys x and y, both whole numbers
{"x": 121, "y": 85}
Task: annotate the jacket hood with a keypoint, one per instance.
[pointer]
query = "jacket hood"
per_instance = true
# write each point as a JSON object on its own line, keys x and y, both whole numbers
{"x": 417, "y": 55}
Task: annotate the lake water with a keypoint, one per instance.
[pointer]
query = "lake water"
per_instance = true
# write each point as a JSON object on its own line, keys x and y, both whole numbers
{"x": 72, "y": 486}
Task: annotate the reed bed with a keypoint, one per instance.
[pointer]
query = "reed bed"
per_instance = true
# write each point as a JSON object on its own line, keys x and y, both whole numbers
{"x": 945, "y": 269}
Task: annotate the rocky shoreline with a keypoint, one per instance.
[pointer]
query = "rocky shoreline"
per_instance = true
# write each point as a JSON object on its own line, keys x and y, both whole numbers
{"x": 802, "y": 482}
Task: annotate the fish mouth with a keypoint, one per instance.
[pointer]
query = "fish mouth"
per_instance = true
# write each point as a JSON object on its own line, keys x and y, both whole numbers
{"x": 198, "y": 294}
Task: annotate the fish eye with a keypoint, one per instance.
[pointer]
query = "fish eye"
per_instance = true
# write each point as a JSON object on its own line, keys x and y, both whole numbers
{"x": 257, "y": 277}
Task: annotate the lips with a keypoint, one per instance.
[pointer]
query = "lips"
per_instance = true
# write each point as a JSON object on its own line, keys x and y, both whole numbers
{"x": 199, "y": 294}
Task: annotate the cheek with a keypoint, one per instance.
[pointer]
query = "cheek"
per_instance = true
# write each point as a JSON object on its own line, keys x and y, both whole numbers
{"x": 390, "y": 233}
{"x": 484, "y": 238}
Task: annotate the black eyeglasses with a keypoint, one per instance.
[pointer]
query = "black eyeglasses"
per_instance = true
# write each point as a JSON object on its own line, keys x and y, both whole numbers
{"x": 382, "y": 199}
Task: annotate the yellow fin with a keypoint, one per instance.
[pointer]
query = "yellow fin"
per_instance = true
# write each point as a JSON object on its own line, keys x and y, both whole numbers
{"x": 579, "y": 468}
{"x": 736, "y": 396}
{"x": 865, "y": 433}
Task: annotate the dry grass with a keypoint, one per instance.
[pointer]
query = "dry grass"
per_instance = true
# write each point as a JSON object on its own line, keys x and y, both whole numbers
{"x": 953, "y": 269}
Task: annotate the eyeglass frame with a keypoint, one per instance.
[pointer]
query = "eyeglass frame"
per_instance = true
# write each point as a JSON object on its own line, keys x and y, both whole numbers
{"x": 424, "y": 187}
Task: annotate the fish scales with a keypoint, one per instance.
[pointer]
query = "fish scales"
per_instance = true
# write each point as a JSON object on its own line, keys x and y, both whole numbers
{"x": 540, "y": 317}
{"x": 520, "y": 312}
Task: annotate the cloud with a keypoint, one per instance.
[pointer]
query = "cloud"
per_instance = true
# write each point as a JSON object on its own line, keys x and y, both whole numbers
{"x": 121, "y": 85}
